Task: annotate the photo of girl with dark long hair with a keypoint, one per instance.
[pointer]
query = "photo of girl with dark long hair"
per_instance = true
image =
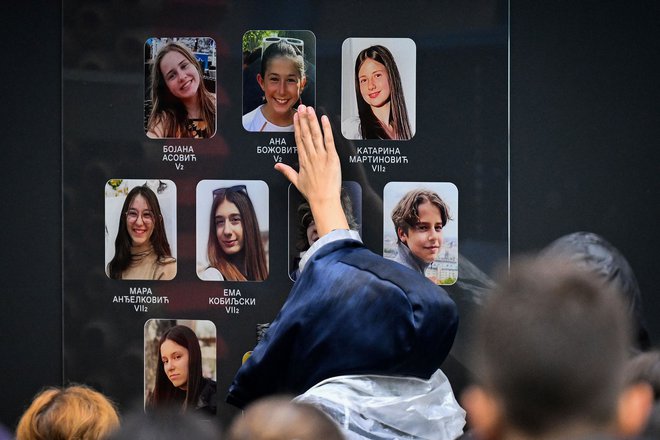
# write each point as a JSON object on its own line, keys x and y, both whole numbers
{"x": 180, "y": 366}
{"x": 235, "y": 246}
{"x": 137, "y": 229}
{"x": 378, "y": 103}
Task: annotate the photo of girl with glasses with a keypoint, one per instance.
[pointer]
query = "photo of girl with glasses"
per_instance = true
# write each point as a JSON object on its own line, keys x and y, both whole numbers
{"x": 181, "y": 105}
{"x": 141, "y": 248}
{"x": 379, "y": 98}
{"x": 282, "y": 78}
{"x": 236, "y": 247}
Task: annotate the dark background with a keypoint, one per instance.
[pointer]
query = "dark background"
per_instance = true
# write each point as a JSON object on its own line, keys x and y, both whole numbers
{"x": 585, "y": 121}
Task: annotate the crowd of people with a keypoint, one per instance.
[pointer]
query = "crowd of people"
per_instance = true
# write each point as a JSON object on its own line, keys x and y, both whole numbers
{"x": 560, "y": 349}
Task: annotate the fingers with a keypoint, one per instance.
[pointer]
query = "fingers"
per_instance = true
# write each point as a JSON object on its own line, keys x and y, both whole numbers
{"x": 315, "y": 130}
{"x": 310, "y": 134}
{"x": 327, "y": 136}
{"x": 288, "y": 172}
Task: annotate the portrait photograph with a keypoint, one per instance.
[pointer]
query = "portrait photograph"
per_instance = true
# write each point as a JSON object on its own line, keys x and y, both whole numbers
{"x": 180, "y": 87}
{"x": 378, "y": 94}
{"x": 140, "y": 229}
{"x": 420, "y": 228}
{"x": 232, "y": 230}
{"x": 279, "y": 74}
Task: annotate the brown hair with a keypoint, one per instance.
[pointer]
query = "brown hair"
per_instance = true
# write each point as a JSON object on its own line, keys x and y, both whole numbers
{"x": 254, "y": 267}
{"x": 370, "y": 126}
{"x": 167, "y": 109}
{"x": 75, "y": 412}
{"x": 404, "y": 214}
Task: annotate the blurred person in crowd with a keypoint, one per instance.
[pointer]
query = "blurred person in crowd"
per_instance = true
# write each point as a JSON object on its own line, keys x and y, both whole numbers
{"x": 278, "y": 418}
{"x": 644, "y": 370}
{"x": 550, "y": 352}
{"x": 595, "y": 254}
{"x": 166, "y": 423}
{"x": 73, "y": 412}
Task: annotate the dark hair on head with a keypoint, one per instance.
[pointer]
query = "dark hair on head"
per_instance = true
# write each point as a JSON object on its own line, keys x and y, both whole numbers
{"x": 370, "y": 126}
{"x": 305, "y": 218}
{"x": 282, "y": 49}
{"x": 123, "y": 242}
{"x": 595, "y": 254}
{"x": 250, "y": 263}
{"x": 167, "y": 109}
{"x": 405, "y": 215}
{"x": 551, "y": 345}
{"x": 165, "y": 393}
{"x": 165, "y": 424}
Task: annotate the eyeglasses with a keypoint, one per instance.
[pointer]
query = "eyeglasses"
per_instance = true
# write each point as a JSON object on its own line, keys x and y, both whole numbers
{"x": 235, "y": 188}
{"x": 132, "y": 216}
{"x": 297, "y": 43}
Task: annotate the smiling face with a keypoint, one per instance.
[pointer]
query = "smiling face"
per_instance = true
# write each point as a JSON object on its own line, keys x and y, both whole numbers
{"x": 374, "y": 83}
{"x": 424, "y": 239}
{"x": 180, "y": 74}
{"x": 282, "y": 85}
{"x": 139, "y": 221}
{"x": 175, "y": 363}
{"x": 229, "y": 228}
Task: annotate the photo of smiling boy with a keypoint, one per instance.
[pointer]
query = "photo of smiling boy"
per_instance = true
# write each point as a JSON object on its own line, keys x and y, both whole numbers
{"x": 422, "y": 229}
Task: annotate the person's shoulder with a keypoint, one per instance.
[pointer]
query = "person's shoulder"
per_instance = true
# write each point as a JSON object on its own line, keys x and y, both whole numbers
{"x": 156, "y": 130}
{"x": 350, "y": 128}
{"x": 250, "y": 119}
{"x": 167, "y": 268}
{"x": 211, "y": 274}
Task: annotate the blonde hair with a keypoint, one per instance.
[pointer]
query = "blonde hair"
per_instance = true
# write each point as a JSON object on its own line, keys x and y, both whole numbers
{"x": 75, "y": 412}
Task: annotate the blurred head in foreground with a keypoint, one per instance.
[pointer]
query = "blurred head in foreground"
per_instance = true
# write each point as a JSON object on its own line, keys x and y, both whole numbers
{"x": 550, "y": 352}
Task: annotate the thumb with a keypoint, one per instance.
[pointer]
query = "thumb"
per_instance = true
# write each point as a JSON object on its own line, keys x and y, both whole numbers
{"x": 288, "y": 172}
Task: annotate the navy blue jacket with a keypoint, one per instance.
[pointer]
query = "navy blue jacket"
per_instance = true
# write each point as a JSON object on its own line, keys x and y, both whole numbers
{"x": 350, "y": 312}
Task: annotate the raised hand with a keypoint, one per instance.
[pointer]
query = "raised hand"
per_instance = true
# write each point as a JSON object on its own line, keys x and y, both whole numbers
{"x": 319, "y": 176}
